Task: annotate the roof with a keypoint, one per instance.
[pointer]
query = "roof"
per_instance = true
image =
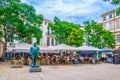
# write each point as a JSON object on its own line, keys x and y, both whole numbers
{"x": 63, "y": 47}
{"x": 47, "y": 20}
{"x": 109, "y": 12}
{"x": 88, "y": 48}
{"x": 107, "y": 50}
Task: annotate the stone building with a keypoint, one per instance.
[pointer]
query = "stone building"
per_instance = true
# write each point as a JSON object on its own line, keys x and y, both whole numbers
{"x": 111, "y": 21}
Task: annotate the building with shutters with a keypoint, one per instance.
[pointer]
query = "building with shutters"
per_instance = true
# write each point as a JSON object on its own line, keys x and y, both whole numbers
{"x": 111, "y": 21}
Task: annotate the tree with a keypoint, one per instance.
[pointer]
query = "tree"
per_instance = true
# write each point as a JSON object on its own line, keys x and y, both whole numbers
{"x": 62, "y": 30}
{"x": 114, "y": 2}
{"x": 97, "y": 36}
{"x": 19, "y": 21}
{"x": 76, "y": 37}
{"x": 108, "y": 38}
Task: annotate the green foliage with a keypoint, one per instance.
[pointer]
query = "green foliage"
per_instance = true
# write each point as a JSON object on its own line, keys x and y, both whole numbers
{"x": 19, "y": 19}
{"x": 114, "y": 2}
{"x": 76, "y": 37}
{"x": 98, "y": 37}
{"x": 108, "y": 38}
{"x": 62, "y": 30}
{"x": 93, "y": 31}
{"x": 1, "y": 33}
{"x": 118, "y": 10}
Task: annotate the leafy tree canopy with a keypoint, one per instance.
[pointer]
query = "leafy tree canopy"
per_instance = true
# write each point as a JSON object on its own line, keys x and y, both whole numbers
{"x": 114, "y": 2}
{"x": 63, "y": 29}
{"x": 19, "y": 20}
{"x": 108, "y": 38}
{"x": 76, "y": 37}
{"x": 98, "y": 37}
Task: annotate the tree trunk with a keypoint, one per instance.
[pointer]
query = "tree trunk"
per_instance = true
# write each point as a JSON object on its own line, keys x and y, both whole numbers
{"x": 5, "y": 43}
{"x": 4, "y": 51}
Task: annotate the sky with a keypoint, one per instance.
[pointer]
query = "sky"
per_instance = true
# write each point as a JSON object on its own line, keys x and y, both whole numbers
{"x": 76, "y": 11}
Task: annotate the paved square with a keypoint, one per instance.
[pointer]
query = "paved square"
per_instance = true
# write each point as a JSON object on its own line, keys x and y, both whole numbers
{"x": 102, "y": 71}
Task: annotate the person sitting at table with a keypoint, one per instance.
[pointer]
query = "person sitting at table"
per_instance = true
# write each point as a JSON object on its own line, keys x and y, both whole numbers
{"x": 47, "y": 61}
{"x": 86, "y": 59}
{"x": 81, "y": 60}
{"x": 75, "y": 61}
{"x": 42, "y": 61}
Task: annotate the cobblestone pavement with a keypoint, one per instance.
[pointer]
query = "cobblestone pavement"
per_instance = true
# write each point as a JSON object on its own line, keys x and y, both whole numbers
{"x": 65, "y": 72}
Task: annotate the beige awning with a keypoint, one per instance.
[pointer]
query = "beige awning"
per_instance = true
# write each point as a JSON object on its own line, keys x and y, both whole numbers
{"x": 63, "y": 47}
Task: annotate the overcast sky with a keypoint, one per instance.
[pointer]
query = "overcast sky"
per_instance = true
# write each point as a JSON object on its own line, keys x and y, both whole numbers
{"x": 76, "y": 11}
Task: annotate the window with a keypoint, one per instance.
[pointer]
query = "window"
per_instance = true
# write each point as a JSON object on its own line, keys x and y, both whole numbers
{"x": 110, "y": 26}
{"x": 104, "y": 18}
{"x": 48, "y": 31}
{"x": 56, "y": 43}
{"x": 118, "y": 38}
{"x": 117, "y": 24}
{"x": 104, "y": 25}
{"x": 45, "y": 23}
{"x": 117, "y": 14}
{"x": 12, "y": 38}
{"x": 110, "y": 16}
{"x": 20, "y": 41}
{"x": 52, "y": 41}
{"x": 48, "y": 42}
